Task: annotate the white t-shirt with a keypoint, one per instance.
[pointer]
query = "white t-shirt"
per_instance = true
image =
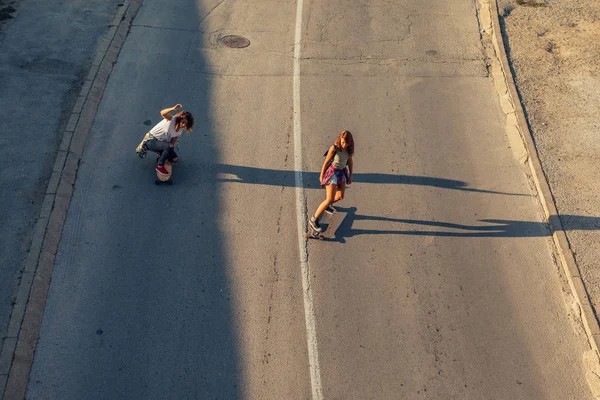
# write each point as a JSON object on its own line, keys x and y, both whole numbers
{"x": 165, "y": 130}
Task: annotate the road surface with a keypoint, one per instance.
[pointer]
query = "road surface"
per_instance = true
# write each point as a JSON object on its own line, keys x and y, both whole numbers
{"x": 440, "y": 283}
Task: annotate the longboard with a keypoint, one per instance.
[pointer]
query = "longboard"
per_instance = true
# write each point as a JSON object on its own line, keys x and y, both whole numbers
{"x": 329, "y": 223}
{"x": 160, "y": 178}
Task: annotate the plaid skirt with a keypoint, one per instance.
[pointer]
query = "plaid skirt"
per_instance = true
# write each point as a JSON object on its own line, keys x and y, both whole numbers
{"x": 334, "y": 176}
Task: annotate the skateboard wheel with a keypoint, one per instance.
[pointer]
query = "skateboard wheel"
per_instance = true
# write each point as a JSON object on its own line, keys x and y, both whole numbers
{"x": 156, "y": 182}
{"x": 169, "y": 182}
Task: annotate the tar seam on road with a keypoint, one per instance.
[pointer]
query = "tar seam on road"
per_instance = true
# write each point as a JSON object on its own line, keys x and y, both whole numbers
{"x": 309, "y": 307}
{"x": 25, "y": 322}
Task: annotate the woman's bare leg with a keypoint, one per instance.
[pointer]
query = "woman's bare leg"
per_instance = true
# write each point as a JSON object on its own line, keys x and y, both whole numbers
{"x": 331, "y": 194}
{"x": 339, "y": 195}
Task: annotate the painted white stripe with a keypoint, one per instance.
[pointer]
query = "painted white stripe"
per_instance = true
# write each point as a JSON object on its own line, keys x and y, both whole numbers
{"x": 309, "y": 308}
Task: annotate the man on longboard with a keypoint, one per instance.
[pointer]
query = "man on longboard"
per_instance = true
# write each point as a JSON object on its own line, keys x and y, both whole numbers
{"x": 162, "y": 138}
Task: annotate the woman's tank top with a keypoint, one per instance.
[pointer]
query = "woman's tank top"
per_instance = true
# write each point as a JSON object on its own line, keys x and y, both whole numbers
{"x": 340, "y": 159}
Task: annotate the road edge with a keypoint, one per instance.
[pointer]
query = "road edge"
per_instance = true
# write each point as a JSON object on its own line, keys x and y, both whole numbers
{"x": 563, "y": 249}
{"x": 25, "y": 321}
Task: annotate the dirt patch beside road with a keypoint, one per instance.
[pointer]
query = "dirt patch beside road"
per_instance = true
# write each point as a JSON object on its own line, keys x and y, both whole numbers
{"x": 553, "y": 50}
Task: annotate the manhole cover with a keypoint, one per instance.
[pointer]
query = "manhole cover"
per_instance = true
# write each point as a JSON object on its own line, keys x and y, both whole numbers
{"x": 235, "y": 42}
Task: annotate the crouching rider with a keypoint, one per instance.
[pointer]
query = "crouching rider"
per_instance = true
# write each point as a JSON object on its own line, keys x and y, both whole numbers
{"x": 162, "y": 138}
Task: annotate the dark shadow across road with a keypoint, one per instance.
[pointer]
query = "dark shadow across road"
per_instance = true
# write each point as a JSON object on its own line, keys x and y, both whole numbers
{"x": 484, "y": 228}
{"x": 260, "y": 176}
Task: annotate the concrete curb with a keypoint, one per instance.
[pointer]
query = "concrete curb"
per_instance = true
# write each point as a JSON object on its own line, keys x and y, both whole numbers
{"x": 25, "y": 322}
{"x": 563, "y": 249}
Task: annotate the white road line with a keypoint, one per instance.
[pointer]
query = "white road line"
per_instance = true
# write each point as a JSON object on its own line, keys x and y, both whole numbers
{"x": 309, "y": 308}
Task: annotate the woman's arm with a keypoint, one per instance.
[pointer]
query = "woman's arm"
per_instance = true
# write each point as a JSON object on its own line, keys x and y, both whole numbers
{"x": 165, "y": 113}
{"x": 327, "y": 161}
{"x": 350, "y": 169}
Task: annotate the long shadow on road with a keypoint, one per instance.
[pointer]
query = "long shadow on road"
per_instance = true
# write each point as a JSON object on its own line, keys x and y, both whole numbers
{"x": 260, "y": 176}
{"x": 486, "y": 228}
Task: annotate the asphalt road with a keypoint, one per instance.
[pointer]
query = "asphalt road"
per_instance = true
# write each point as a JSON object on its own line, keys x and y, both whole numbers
{"x": 440, "y": 283}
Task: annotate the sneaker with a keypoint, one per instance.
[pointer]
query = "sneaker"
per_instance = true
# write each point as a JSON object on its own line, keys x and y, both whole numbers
{"x": 142, "y": 154}
{"x": 314, "y": 224}
{"x": 330, "y": 209}
{"x": 161, "y": 169}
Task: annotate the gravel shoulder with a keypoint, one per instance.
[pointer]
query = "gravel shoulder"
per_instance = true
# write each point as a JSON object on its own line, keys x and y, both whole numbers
{"x": 553, "y": 50}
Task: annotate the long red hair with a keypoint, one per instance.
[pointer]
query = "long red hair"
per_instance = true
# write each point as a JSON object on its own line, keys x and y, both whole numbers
{"x": 347, "y": 136}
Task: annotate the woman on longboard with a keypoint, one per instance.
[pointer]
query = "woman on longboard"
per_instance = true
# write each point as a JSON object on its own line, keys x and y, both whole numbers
{"x": 162, "y": 138}
{"x": 336, "y": 173}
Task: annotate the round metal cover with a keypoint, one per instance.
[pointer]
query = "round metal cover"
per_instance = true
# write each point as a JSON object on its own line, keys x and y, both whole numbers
{"x": 235, "y": 42}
